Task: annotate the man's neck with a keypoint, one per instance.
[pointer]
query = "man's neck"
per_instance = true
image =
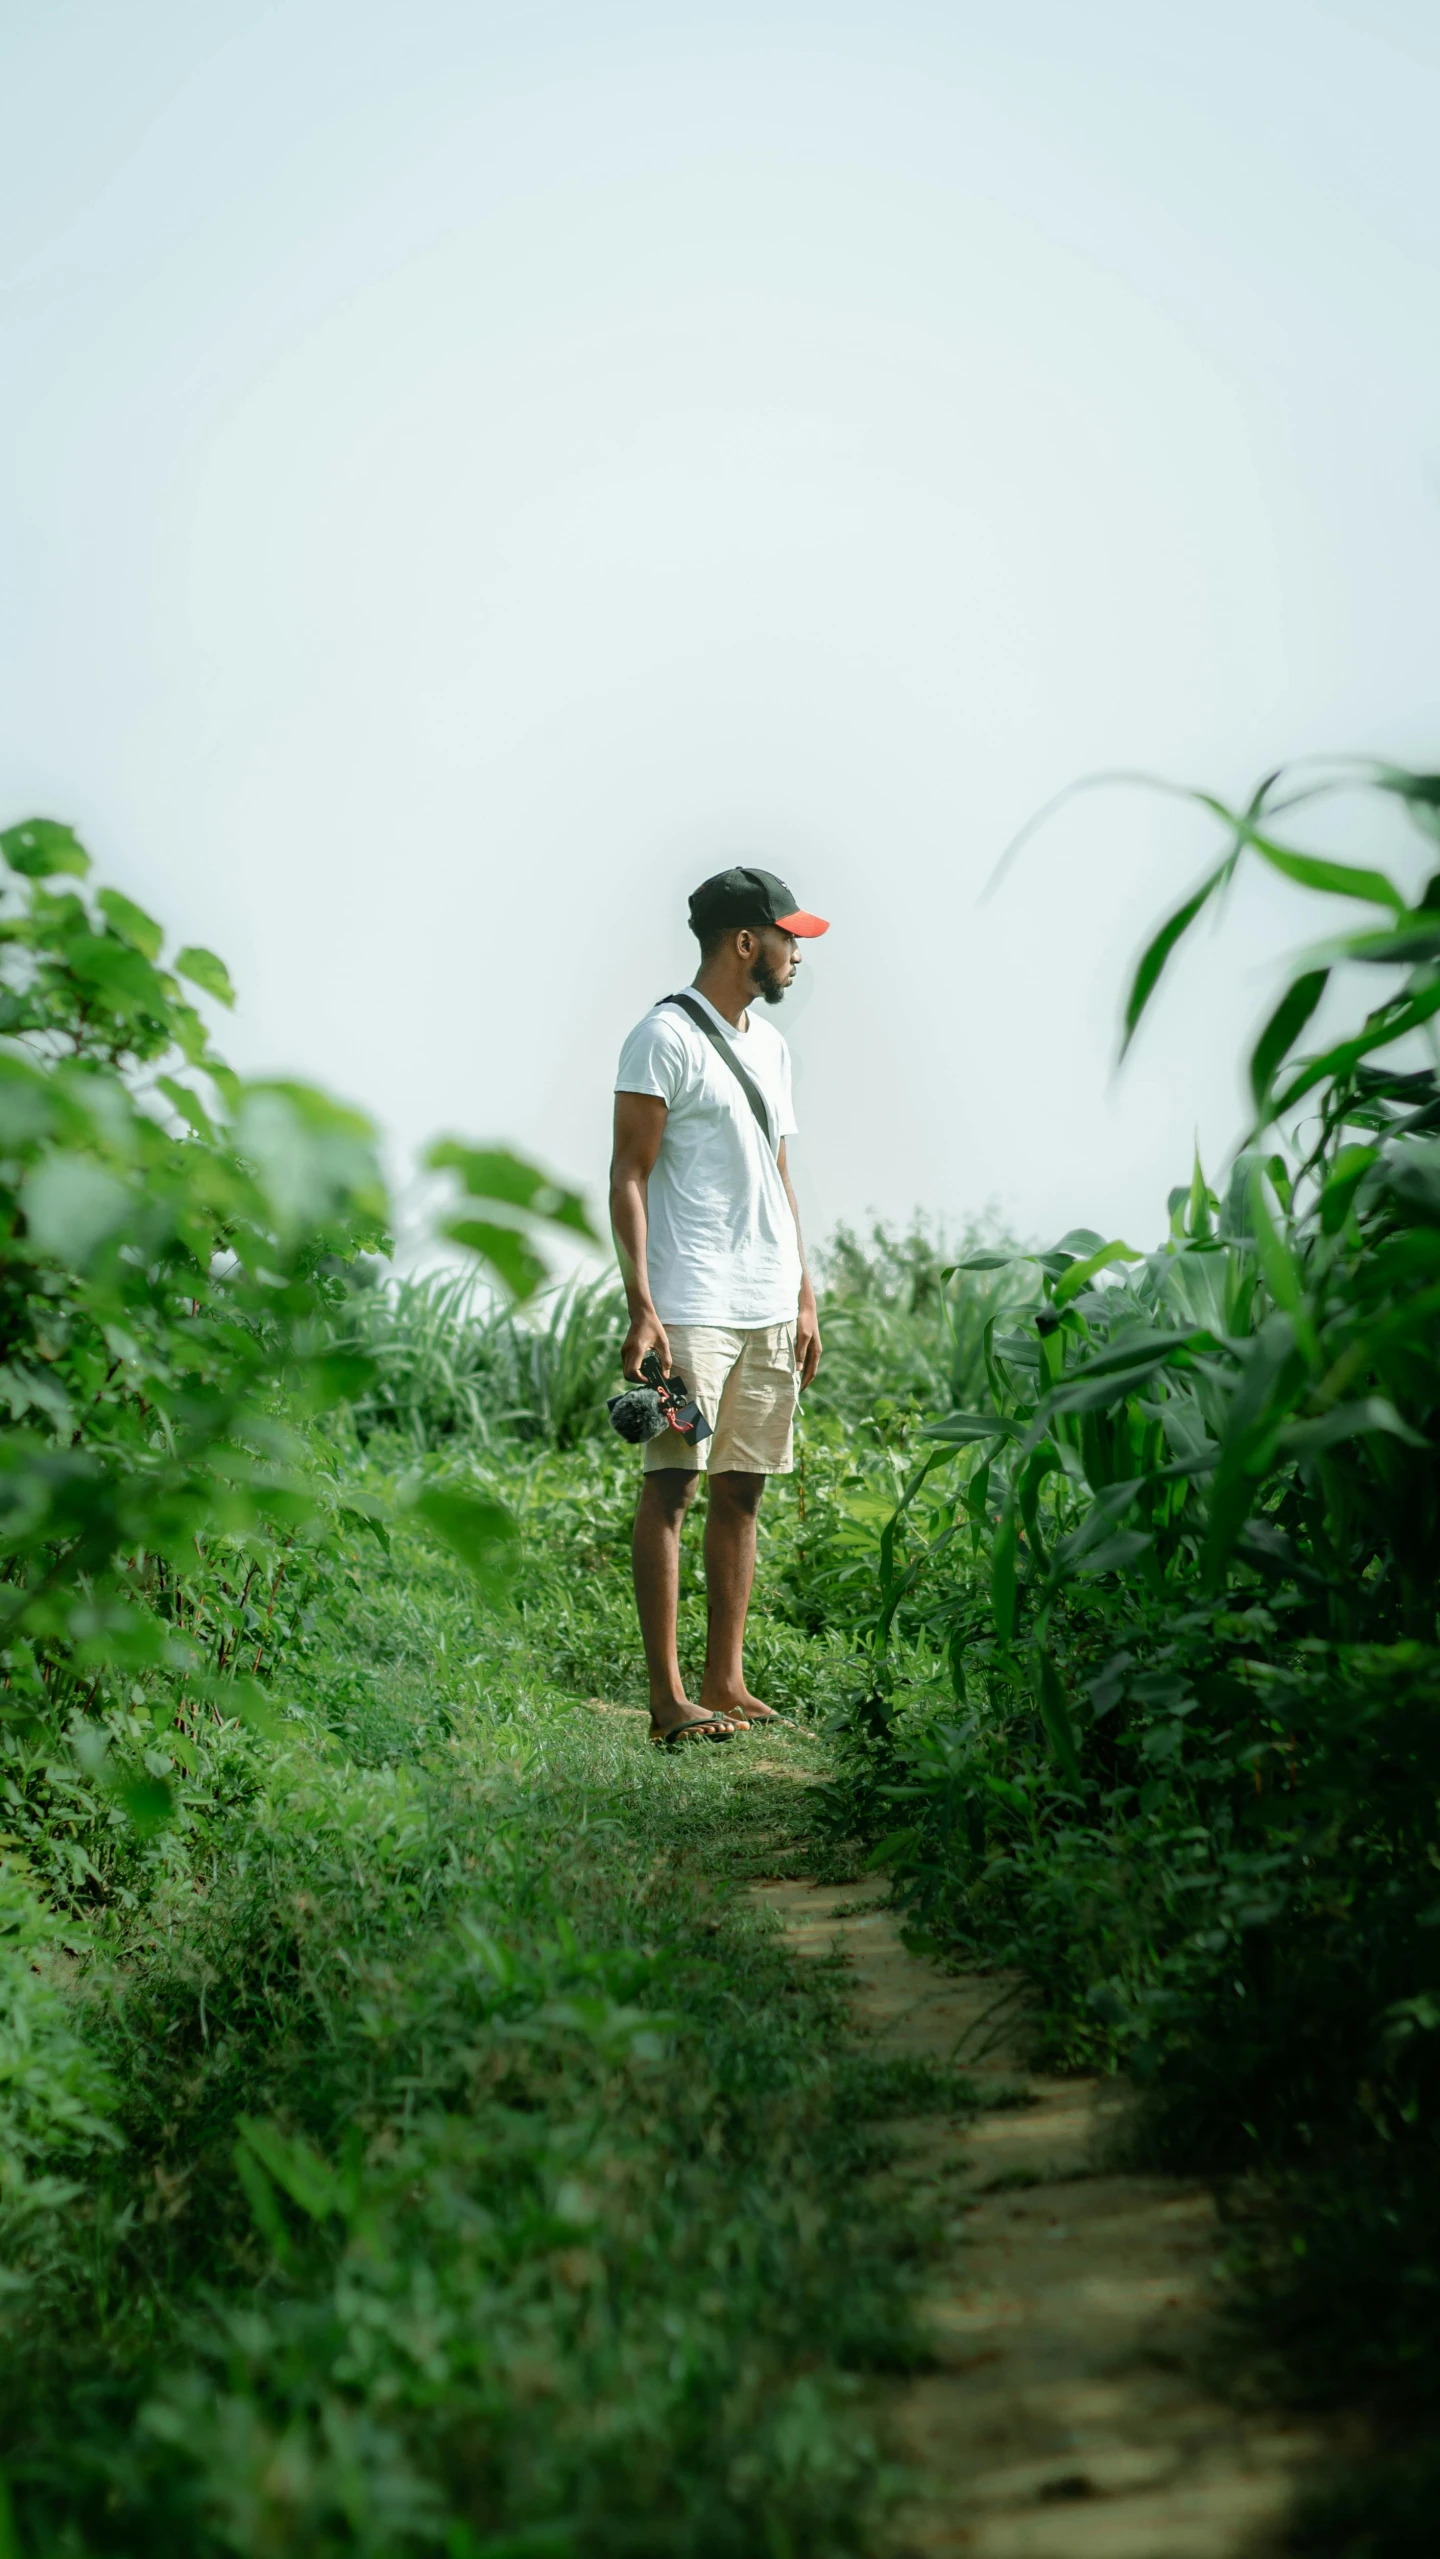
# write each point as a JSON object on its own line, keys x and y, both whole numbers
{"x": 724, "y": 983}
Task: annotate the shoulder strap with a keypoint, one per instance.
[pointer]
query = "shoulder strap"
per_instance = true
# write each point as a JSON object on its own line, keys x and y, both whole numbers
{"x": 722, "y": 1048}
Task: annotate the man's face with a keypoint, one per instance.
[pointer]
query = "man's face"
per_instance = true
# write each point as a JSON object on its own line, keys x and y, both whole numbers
{"x": 774, "y": 962}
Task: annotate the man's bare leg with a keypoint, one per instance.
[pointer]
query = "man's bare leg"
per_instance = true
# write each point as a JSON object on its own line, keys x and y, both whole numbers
{"x": 665, "y": 1497}
{"x": 729, "y": 1574}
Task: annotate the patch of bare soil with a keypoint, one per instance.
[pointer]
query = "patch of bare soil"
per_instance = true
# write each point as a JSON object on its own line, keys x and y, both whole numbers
{"x": 1065, "y": 2418}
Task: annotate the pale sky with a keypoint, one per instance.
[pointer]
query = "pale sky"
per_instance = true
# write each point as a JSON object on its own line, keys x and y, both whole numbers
{"x": 472, "y": 471}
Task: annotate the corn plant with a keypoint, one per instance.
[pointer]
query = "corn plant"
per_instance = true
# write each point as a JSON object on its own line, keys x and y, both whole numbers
{"x": 1179, "y": 1561}
{"x": 1257, "y": 1397}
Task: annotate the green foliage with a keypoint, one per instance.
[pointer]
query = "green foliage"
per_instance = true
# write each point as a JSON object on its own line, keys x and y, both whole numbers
{"x": 450, "y": 1362}
{"x": 170, "y": 1258}
{"x": 177, "y": 1258}
{"x": 455, "y": 2196}
{"x": 1157, "y": 1671}
{"x": 900, "y": 1315}
{"x": 494, "y": 1177}
{"x": 387, "y": 2159}
{"x": 173, "y": 1261}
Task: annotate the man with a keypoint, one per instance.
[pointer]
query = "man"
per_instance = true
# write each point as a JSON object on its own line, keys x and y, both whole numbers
{"x": 709, "y": 1241}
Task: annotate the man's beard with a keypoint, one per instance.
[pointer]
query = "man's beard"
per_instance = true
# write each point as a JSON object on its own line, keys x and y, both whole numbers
{"x": 766, "y": 981}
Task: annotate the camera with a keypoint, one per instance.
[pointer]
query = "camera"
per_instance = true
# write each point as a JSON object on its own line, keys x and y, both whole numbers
{"x": 662, "y": 1404}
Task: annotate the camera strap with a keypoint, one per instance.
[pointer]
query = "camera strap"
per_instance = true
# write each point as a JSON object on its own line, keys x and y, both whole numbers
{"x": 722, "y": 1048}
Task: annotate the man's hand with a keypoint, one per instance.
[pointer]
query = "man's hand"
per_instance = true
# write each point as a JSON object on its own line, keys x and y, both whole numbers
{"x": 807, "y": 1337}
{"x": 646, "y": 1334}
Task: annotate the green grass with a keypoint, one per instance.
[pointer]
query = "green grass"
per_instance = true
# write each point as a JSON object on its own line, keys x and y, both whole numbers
{"x": 489, "y": 2179}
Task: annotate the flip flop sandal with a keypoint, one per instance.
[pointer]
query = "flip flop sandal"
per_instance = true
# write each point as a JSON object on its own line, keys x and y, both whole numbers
{"x": 710, "y": 1728}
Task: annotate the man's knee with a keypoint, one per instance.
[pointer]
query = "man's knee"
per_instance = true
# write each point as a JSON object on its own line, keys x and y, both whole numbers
{"x": 736, "y": 1491}
{"x": 671, "y": 1490}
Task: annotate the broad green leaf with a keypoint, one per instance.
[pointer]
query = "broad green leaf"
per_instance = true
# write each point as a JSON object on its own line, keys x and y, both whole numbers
{"x": 492, "y": 1173}
{"x": 1116, "y": 1554}
{"x": 1347, "y": 1173}
{"x": 249, "y": 1704}
{"x": 1044, "y": 1461}
{"x": 1055, "y": 1715}
{"x": 124, "y": 979}
{"x": 193, "y": 1041}
{"x": 73, "y": 1206}
{"x": 204, "y": 970}
{"x": 1413, "y": 941}
{"x": 893, "y": 1585}
{"x": 513, "y": 1260}
{"x": 1412, "y": 1171}
{"x": 958, "y": 1430}
{"x": 1419, "y": 791}
{"x": 26, "y": 1108}
{"x": 40, "y": 847}
{"x": 887, "y": 1850}
{"x": 1349, "y": 1421}
{"x": 365, "y": 1514}
{"x": 482, "y": 1533}
{"x": 1282, "y": 1030}
{"x": 319, "y": 1111}
{"x": 1004, "y": 1554}
{"x": 316, "y": 1161}
{"x": 1346, "y": 1055}
{"x": 131, "y": 923}
{"x": 1199, "y": 1206}
{"x": 1109, "y": 1506}
{"x": 1081, "y": 1273}
{"x": 110, "y": 1633}
{"x": 1157, "y": 952}
{"x": 336, "y": 1377}
{"x": 189, "y": 1105}
{"x": 1139, "y": 1346}
{"x": 1098, "y": 1387}
{"x": 1283, "y": 1277}
{"x": 1332, "y": 879}
{"x": 148, "y": 1803}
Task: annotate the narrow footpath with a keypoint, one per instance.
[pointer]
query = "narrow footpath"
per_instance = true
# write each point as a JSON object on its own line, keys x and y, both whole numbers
{"x": 1070, "y": 2306}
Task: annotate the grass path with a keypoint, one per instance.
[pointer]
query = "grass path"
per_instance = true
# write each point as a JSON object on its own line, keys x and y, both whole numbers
{"x": 1068, "y": 2306}
{"x": 487, "y": 2175}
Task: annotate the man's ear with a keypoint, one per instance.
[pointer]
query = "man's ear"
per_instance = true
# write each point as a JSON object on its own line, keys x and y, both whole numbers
{"x": 747, "y": 943}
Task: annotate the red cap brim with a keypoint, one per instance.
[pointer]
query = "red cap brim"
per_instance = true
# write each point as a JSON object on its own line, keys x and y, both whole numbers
{"x": 807, "y": 926}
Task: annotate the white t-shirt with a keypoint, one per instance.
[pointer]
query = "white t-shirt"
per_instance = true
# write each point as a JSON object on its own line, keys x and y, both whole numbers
{"x": 722, "y": 1242}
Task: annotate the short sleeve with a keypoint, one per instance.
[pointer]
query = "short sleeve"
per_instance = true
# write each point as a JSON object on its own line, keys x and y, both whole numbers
{"x": 653, "y": 1059}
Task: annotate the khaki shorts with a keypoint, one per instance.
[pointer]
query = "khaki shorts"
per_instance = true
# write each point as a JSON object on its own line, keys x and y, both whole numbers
{"x": 745, "y": 1383}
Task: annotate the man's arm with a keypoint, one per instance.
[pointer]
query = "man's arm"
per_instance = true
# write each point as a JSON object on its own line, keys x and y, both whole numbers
{"x": 639, "y": 1127}
{"x": 807, "y": 1325}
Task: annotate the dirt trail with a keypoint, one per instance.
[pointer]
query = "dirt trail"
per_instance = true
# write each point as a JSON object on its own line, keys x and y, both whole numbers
{"x": 1065, "y": 2419}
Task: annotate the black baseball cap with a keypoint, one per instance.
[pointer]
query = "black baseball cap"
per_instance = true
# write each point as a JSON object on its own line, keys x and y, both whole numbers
{"x": 745, "y": 896}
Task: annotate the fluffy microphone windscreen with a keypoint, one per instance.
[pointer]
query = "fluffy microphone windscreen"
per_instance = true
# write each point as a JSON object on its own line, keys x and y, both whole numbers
{"x": 637, "y": 1415}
